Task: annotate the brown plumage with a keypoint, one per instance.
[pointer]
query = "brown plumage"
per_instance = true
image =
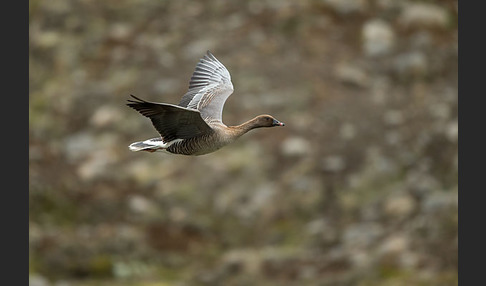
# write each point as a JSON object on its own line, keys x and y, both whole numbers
{"x": 195, "y": 127}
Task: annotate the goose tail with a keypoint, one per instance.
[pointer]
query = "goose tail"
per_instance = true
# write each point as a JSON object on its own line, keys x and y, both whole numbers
{"x": 150, "y": 145}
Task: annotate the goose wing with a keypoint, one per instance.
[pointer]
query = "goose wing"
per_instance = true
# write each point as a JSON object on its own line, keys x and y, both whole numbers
{"x": 209, "y": 88}
{"x": 171, "y": 121}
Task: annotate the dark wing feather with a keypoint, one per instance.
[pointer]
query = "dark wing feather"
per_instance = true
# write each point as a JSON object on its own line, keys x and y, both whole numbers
{"x": 209, "y": 88}
{"x": 171, "y": 121}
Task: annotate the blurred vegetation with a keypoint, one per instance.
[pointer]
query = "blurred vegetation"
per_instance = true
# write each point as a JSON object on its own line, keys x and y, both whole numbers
{"x": 359, "y": 188}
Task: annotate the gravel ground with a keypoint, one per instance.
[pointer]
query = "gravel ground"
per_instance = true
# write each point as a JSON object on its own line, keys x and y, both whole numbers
{"x": 359, "y": 188}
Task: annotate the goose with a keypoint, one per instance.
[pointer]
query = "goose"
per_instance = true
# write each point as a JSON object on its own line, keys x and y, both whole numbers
{"x": 194, "y": 126}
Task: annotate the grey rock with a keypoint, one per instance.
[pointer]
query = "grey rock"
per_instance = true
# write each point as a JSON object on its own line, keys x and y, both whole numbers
{"x": 295, "y": 146}
{"x": 394, "y": 244}
{"x": 78, "y": 146}
{"x": 347, "y": 131}
{"x": 48, "y": 39}
{"x": 393, "y": 137}
{"x": 98, "y": 156}
{"x": 440, "y": 201}
{"x": 423, "y": 15}
{"x": 141, "y": 205}
{"x": 399, "y": 205}
{"x": 421, "y": 39}
{"x": 352, "y": 74}
{"x": 105, "y": 115}
{"x": 420, "y": 183}
{"x": 120, "y": 31}
{"x": 333, "y": 163}
{"x": 440, "y": 110}
{"x": 452, "y": 130}
{"x": 347, "y": 6}
{"x": 247, "y": 259}
{"x": 322, "y": 229}
{"x": 411, "y": 65}
{"x": 38, "y": 280}
{"x": 393, "y": 117}
{"x": 166, "y": 86}
{"x": 362, "y": 235}
{"x": 378, "y": 38}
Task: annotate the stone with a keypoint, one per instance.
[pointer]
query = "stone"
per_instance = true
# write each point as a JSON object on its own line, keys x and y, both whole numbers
{"x": 440, "y": 110}
{"x": 295, "y": 146}
{"x": 166, "y": 86}
{"x": 333, "y": 163}
{"x": 378, "y": 38}
{"x": 423, "y": 15}
{"x": 248, "y": 260}
{"x": 345, "y": 7}
{"x": 105, "y": 115}
{"x": 120, "y": 31}
{"x": 322, "y": 229}
{"x": 47, "y": 39}
{"x": 352, "y": 75}
{"x": 362, "y": 235}
{"x": 38, "y": 280}
{"x": 393, "y": 117}
{"x": 347, "y": 131}
{"x": 452, "y": 131}
{"x": 395, "y": 244}
{"x": 440, "y": 202}
{"x": 412, "y": 64}
{"x": 400, "y": 205}
{"x": 78, "y": 146}
{"x": 140, "y": 204}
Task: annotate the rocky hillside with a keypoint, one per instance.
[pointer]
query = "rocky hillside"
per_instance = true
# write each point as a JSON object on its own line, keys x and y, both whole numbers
{"x": 359, "y": 188}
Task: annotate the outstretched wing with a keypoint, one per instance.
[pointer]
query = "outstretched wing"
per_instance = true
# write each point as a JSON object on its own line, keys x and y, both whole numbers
{"x": 209, "y": 88}
{"x": 171, "y": 121}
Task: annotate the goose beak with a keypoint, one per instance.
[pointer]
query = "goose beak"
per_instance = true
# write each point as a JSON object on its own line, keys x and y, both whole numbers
{"x": 278, "y": 123}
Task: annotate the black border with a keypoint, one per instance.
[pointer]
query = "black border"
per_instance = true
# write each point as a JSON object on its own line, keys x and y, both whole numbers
{"x": 471, "y": 93}
{"x": 15, "y": 138}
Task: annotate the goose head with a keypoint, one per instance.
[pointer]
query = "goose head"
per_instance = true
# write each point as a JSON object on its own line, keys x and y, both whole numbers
{"x": 266, "y": 121}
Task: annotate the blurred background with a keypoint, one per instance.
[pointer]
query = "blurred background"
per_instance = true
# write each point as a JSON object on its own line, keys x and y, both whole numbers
{"x": 359, "y": 188}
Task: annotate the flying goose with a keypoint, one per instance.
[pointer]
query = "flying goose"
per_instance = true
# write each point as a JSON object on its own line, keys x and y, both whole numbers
{"x": 195, "y": 126}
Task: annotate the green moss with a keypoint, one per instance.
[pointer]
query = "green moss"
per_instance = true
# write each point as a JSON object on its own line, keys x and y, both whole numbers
{"x": 398, "y": 277}
{"x": 34, "y": 263}
{"x": 167, "y": 274}
{"x": 101, "y": 266}
{"x": 50, "y": 206}
{"x": 290, "y": 231}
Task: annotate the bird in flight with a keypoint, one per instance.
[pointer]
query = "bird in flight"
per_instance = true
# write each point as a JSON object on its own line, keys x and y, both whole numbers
{"x": 195, "y": 126}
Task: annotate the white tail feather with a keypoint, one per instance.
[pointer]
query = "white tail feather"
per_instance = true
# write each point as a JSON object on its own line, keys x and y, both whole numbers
{"x": 151, "y": 145}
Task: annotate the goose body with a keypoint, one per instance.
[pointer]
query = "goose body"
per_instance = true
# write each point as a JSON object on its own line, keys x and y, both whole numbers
{"x": 195, "y": 126}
